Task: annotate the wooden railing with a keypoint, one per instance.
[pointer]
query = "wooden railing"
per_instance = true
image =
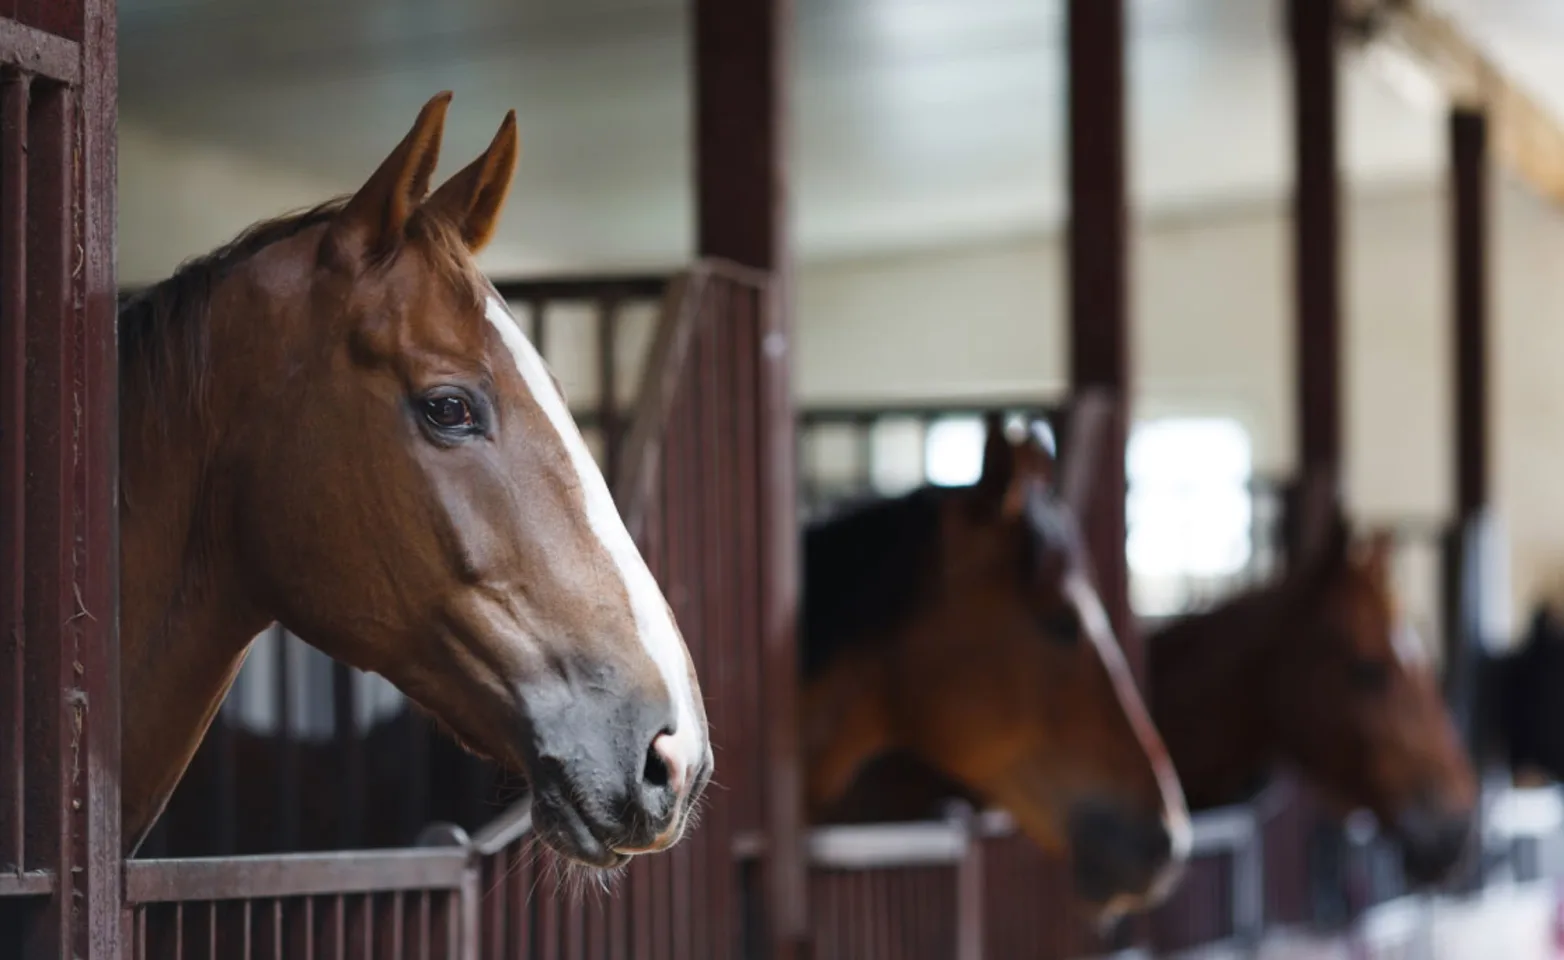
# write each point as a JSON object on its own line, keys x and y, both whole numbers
{"x": 970, "y": 886}
{"x": 691, "y": 474}
{"x": 410, "y": 904}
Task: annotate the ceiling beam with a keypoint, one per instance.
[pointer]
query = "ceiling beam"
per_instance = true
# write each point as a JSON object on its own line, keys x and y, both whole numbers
{"x": 1526, "y": 137}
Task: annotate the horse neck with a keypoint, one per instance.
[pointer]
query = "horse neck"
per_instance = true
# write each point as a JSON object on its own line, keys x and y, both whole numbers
{"x": 845, "y": 723}
{"x": 1206, "y": 702}
{"x": 186, "y": 619}
{"x": 863, "y": 574}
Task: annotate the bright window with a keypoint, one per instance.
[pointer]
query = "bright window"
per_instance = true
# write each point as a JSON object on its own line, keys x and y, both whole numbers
{"x": 1189, "y": 510}
{"x": 953, "y": 451}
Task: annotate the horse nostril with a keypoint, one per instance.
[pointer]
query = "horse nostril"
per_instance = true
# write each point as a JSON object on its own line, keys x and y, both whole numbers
{"x": 664, "y": 770}
{"x": 655, "y": 773}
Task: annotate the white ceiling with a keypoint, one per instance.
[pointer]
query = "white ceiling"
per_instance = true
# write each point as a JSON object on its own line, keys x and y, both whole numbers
{"x": 918, "y": 122}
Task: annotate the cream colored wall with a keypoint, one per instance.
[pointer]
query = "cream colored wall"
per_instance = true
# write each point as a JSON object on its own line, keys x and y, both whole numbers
{"x": 180, "y": 198}
{"x": 1212, "y": 335}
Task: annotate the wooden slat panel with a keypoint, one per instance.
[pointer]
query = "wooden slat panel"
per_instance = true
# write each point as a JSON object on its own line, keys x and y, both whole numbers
{"x": 13, "y": 418}
{"x": 39, "y": 52}
{"x": 148, "y": 881}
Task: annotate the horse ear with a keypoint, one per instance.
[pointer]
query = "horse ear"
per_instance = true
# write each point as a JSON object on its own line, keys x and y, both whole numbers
{"x": 472, "y": 199}
{"x": 373, "y": 220}
{"x": 1329, "y": 550}
{"x": 1376, "y": 555}
{"x": 1089, "y": 420}
{"x": 1035, "y": 459}
{"x": 999, "y": 459}
{"x": 1321, "y": 524}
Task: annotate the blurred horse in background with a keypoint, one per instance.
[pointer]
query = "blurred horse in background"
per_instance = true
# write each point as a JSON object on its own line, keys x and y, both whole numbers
{"x": 960, "y": 625}
{"x": 1319, "y": 671}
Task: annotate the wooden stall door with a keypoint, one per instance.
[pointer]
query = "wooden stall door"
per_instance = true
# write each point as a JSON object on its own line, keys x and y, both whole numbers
{"x": 59, "y": 671}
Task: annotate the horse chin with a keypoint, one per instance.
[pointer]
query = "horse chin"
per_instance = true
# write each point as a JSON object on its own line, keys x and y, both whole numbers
{"x": 1108, "y": 915}
{"x": 1108, "y": 912}
{"x": 565, "y": 831}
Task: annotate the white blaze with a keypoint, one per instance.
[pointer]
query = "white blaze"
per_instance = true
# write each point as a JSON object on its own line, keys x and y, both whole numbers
{"x": 654, "y": 624}
{"x": 1096, "y": 625}
{"x": 1408, "y": 644}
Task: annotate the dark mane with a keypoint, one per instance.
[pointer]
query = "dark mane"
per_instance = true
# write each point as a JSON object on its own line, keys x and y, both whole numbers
{"x": 163, "y": 329}
{"x": 1241, "y": 617}
{"x": 866, "y": 572}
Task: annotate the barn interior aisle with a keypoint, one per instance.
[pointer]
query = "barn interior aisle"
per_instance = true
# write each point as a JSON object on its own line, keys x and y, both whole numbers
{"x": 1095, "y": 459}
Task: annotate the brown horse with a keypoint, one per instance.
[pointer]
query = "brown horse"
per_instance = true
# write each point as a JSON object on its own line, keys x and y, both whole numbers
{"x": 1319, "y": 671}
{"x": 959, "y": 624}
{"x": 335, "y": 423}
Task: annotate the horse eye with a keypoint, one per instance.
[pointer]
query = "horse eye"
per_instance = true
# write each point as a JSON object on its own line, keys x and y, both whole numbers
{"x": 1062, "y": 624}
{"x": 448, "y": 413}
{"x": 1370, "y": 676}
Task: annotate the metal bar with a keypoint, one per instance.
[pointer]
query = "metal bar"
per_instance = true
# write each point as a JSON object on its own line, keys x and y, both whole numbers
{"x": 350, "y": 755}
{"x": 880, "y": 846}
{"x": 969, "y": 895}
{"x": 779, "y": 615}
{"x": 643, "y": 436}
{"x": 718, "y": 547}
{"x": 745, "y": 391}
{"x": 31, "y": 884}
{"x": 1248, "y": 888}
{"x": 293, "y": 875}
{"x": 676, "y": 577}
{"x": 225, "y": 814}
{"x": 1469, "y": 251}
{"x": 538, "y": 307}
{"x": 339, "y": 950}
{"x": 425, "y": 926}
{"x": 1099, "y": 277}
{"x": 1314, "y": 28}
{"x": 13, "y": 464}
{"x": 39, "y": 52}
{"x": 619, "y": 911}
{"x": 742, "y": 59}
{"x": 521, "y": 909}
{"x": 396, "y": 931}
{"x": 49, "y": 570}
{"x": 290, "y": 792}
{"x": 494, "y": 928}
{"x": 608, "y": 384}
{"x": 416, "y": 804}
{"x": 1464, "y": 599}
{"x": 547, "y": 906}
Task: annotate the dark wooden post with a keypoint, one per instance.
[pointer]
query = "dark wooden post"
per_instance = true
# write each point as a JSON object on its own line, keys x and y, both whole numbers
{"x": 1099, "y": 276}
{"x": 59, "y": 604}
{"x": 741, "y": 130}
{"x": 1464, "y": 595}
{"x": 1314, "y": 29}
{"x": 1099, "y": 270}
{"x": 1469, "y": 350}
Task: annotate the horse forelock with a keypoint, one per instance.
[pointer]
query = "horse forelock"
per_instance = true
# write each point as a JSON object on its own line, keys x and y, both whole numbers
{"x": 865, "y": 570}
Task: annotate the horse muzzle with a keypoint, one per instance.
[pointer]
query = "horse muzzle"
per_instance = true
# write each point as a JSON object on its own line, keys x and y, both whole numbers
{"x": 1433, "y": 841}
{"x": 1119, "y": 856}
{"x": 610, "y": 777}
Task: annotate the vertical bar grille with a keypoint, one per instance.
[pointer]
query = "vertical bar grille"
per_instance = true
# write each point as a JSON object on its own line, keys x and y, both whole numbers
{"x": 13, "y": 341}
